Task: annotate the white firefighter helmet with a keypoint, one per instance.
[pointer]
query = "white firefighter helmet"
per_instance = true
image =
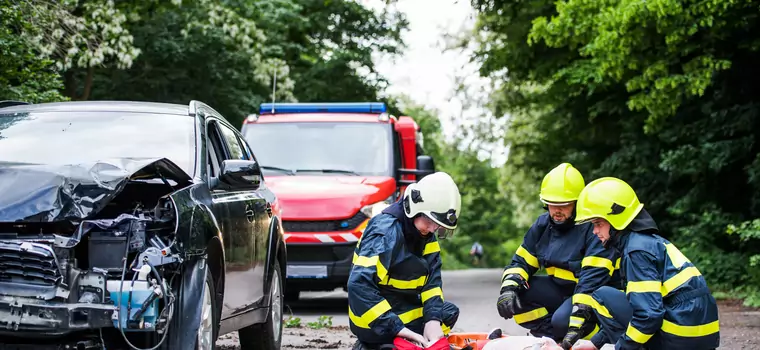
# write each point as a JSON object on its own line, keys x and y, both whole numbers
{"x": 437, "y": 197}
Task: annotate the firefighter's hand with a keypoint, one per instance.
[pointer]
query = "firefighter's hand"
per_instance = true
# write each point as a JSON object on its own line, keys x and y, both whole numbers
{"x": 411, "y": 336}
{"x": 584, "y": 345}
{"x": 573, "y": 335}
{"x": 433, "y": 331}
{"x": 508, "y": 303}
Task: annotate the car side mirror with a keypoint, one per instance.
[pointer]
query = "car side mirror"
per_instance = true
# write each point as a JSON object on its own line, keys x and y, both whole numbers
{"x": 237, "y": 174}
{"x": 425, "y": 166}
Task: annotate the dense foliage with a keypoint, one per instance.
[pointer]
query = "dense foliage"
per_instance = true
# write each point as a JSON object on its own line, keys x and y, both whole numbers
{"x": 225, "y": 53}
{"x": 658, "y": 93}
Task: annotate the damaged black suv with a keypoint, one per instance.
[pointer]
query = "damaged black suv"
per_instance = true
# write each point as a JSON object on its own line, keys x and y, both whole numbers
{"x": 134, "y": 225}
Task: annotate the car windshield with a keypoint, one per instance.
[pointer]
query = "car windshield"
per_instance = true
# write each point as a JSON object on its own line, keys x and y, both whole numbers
{"x": 77, "y": 137}
{"x": 322, "y": 148}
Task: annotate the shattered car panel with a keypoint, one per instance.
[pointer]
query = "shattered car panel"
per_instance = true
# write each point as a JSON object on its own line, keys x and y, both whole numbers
{"x": 50, "y": 193}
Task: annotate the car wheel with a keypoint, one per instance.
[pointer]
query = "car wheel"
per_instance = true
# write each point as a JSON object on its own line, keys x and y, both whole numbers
{"x": 207, "y": 329}
{"x": 268, "y": 335}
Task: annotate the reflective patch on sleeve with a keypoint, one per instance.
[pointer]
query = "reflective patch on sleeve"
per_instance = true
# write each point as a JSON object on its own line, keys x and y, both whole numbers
{"x": 527, "y": 256}
{"x": 595, "y": 261}
{"x": 636, "y": 335}
{"x": 372, "y": 314}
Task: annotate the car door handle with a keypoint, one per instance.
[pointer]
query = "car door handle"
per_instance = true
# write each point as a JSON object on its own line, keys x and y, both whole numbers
{"x": 269, "y": 209}
{"x": 249, "y": 213}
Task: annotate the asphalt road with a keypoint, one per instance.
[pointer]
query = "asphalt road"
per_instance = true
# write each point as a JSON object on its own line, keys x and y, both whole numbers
{"x": 474, "y": 291}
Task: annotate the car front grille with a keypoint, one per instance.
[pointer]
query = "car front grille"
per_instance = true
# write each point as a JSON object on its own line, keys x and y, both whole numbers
{"x": 324, "y": 225}
{"x": 28, "y": 263}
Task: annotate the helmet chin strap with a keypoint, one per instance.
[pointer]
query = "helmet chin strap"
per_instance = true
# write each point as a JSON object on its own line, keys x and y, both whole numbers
{"x": 614, "y": 236}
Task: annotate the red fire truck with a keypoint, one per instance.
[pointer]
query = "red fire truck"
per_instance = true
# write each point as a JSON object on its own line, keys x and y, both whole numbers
{"x": 333, "y": 166}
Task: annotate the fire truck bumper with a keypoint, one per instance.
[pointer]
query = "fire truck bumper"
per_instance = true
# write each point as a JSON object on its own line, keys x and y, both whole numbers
{"x": 318, "y": 266}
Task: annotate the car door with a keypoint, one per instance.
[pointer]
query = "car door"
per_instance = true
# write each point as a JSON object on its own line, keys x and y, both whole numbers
{"x": 264, "y": 213}
{"x": 246, "y": 208}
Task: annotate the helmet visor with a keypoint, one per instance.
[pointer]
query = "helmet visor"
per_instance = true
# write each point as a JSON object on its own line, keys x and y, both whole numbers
{"x": 559, "y": 204}
{"x": 444, "y": 233}
{"x": 447, "y": 219}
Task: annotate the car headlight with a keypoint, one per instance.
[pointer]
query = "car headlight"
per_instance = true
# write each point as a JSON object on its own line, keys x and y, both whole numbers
{"x": 376, "y": 208}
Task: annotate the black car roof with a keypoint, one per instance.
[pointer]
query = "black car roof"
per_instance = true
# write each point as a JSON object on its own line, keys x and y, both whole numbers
{"x": 101, "y": 106}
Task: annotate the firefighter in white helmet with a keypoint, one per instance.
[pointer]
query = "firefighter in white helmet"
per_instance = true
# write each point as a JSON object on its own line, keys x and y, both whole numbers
{"x": 395, "y": 287}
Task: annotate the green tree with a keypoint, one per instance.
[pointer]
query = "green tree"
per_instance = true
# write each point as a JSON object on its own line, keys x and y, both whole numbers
{"x": 658, "y": 94}
{"x": 486, "y": 207}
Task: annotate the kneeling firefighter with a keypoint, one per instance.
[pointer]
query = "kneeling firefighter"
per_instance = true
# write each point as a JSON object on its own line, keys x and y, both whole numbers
{"x": 558, "y": 305}
{"x": 666, "y": 303}
{"x": 395, "y": 287}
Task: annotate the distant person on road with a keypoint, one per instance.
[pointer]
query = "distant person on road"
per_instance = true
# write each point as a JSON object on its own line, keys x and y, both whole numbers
{"x": 477, "y": 253}
{"x": 666, "y": 303}
{"x": 558, "y": 305}
{"x": 395, "y": 287}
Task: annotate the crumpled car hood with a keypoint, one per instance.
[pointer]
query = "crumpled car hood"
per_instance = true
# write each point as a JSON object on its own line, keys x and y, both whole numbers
{"x": 50, "y": 193}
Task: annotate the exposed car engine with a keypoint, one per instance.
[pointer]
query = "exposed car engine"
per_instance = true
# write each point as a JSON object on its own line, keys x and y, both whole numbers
{"x": 112, "y": 270}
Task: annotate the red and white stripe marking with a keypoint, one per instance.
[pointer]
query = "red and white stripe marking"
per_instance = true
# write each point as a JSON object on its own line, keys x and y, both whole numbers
{"x": 324, "y": 237}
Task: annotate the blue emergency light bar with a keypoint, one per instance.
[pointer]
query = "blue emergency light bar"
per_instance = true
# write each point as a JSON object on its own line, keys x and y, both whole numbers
{"x": 334, "y": 107}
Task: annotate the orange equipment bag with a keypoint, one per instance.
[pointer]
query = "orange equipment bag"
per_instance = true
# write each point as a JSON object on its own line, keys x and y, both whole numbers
{"x": 475, "y": 341}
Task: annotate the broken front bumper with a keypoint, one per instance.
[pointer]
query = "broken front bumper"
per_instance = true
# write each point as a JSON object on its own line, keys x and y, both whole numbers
{"x": 25, "y": 315}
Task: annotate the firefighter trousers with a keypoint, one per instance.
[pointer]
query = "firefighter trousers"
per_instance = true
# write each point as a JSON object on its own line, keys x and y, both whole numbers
{"x": 546, "y": 308}
{"x": 370, "y": 340}
{"x": 617, "y": 305}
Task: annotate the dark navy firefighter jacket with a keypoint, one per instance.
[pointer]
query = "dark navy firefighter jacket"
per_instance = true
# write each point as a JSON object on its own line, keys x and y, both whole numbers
{"x": 395, "y": 278}
{"x": 672, "y": 305}
{"x": 572, "y": 255}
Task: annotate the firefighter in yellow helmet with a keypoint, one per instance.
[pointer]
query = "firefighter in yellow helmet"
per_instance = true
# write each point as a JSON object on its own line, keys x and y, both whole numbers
{"x": 666, "y": 303}
{"x": 558, "y": 305}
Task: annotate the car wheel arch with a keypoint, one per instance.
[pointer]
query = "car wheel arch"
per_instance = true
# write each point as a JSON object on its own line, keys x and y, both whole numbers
{"x": 215, "y": 258}
{"x": 276, "y": 250}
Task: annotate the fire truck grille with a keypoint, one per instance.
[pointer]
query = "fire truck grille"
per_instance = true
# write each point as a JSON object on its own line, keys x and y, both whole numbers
{"x": 324, "y": 226}
{"x": 28, "y": 263}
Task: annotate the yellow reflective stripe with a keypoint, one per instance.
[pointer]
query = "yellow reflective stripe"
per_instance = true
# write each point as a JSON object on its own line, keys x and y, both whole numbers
{"x": 576, "y": 321}
{"x": 431, "y": 293}
{"x": 446, "y": 329}
{"x": 636, "y": 335}
{"x": 596, "y": 261}
{"x": 675, "y": 255}
{"x": 596, "y": 330}
{"x": 404, "y": 284}
{"x": 529, "y": 258}
{"x": 369, "y": 261}
{"x": 372, "y": 314}
{"x": 561, "y": 274}
{"x": 588, "y": 300}
{"x": 410, "y": 315}
{"x": 518, "y": 270}
{"x": 432, "y": 247}
{"x": 508, "y": 283}
{"x": 531, "y": 315}
{"x": 679, "y": 279}
{"x": 643, "y": 287}
{"x": 617, "y": 264}
{"x": 690, "y": 331}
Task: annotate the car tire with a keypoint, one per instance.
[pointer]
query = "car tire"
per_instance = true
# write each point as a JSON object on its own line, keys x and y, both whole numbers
{"x": 208, "y": 313}
{"x": 268, "y": 335}
{"x": 292, "y": 293}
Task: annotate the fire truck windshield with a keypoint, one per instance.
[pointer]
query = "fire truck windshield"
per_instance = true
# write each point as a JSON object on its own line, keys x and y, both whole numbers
{"x": 322, "y": 148}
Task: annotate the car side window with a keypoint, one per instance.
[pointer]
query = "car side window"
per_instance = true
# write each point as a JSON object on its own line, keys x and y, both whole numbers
{"x": 247, "y": 149}
{"x": 214, "y": 150}
{"x": 233, "y": 145}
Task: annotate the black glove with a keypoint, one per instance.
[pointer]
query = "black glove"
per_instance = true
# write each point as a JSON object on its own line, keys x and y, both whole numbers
{"x": 509, "y": 303}
{"x": 577, "y": 331}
